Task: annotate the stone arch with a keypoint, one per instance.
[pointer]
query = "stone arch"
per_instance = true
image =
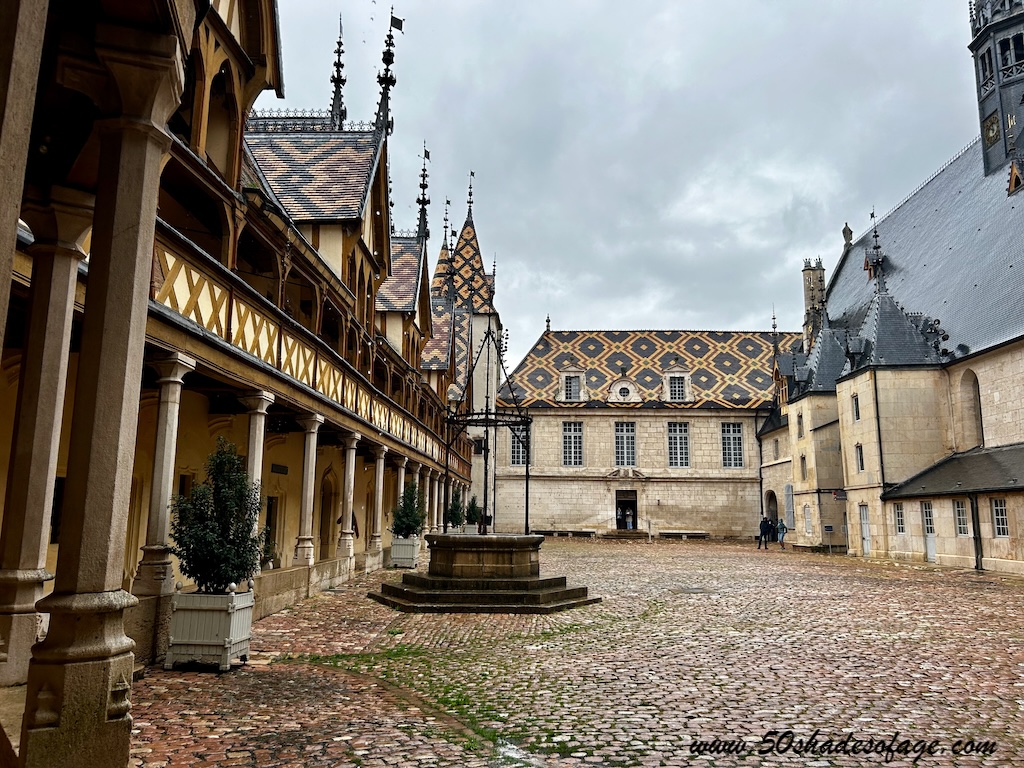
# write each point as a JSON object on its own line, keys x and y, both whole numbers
{"x": 771, "y": 506}
{"x": 328, "y": 514}
{"x": 971, "y": 432}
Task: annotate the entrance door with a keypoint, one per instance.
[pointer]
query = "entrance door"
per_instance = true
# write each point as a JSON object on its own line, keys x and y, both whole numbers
{"x": 928, "y": 523}
{"x": 865, "y": 531}
{"x": 625, "y": 510}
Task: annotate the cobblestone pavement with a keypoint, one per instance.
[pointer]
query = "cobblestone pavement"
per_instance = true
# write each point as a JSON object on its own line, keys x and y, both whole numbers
{"x": 694, "y": 641}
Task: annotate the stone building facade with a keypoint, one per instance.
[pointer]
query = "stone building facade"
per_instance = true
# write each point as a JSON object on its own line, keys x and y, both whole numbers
{"x": 908, "y": 385}
{"x": 644, "y": 430}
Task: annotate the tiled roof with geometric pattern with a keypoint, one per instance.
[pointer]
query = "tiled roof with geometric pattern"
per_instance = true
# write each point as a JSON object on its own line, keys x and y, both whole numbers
{"x": 728, "y": 369}
{"x": 437, "y": 352}
{"x": 439, "y": 284}
{"x": 474, "y": 288}
{"x": 462, "y": 340}
{"x": 400, "y": 291}
{"x": 322, "y": 176}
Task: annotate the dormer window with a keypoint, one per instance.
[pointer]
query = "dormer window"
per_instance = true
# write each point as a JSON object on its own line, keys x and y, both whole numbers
{"x": 572, "y": 387}
{"x": 677, "y": 386}
{"x": 624, "y": 390}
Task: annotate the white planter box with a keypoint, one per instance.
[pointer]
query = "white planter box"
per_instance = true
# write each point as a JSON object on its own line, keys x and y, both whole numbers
{"x": 405, "y": 552}
{"x": 212, "y": 629}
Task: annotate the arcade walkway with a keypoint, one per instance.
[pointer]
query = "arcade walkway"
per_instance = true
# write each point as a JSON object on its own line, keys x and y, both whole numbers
{"x": 694, "y": 640}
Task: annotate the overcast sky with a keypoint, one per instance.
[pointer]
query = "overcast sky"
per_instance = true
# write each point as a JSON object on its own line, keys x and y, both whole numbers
{"x": 657, "y": 163}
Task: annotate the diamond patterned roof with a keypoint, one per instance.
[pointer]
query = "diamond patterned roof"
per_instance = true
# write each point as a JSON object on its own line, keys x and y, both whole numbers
{"x": 399, "y": 292}
{"x": 437, "y": 351}
{"x": 474, "y": 288}
{"x": 322, "y": 176}
{"x": 728, "y": 369}
{"x": 462, "y": 338}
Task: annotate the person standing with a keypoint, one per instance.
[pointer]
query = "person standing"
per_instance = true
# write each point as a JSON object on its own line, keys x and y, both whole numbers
{"x": 782, "y": 533}
{"x": 764, "y": 532}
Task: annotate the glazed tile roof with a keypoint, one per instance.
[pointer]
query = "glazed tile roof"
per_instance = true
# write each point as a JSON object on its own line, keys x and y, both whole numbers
{"x": 728, "y": 369}
{"x": 474, "y": 288}
{"x": 439, "y": 285}
{"x": 437, "y": 351}
{"x": 317, "y": 177}
{"x": 400, "y": 291}
{"x": 462, "y": 339}
{"x": 954, "y": 252}
{"x": 979, "y": 470}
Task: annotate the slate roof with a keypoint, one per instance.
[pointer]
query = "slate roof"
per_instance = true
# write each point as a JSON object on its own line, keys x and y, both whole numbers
{"x": 826, "y": 363}
{"x": 981, "y": 470}
{"x": 888, "y": 336}
{"x": 400, "y": 291}
{"x": 954, "y": 252}
{"x": 318, "y": 176}
{"x": 728, "y": 369}
{"x": 776, "y": 420}
{"x": 474, "y": 288}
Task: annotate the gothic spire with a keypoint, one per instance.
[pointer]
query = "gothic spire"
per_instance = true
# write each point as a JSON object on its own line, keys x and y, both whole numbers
{"x": 423, "y": 201}
{"x": 338, "y": 111}
{"x": 874, "y": 259}
{"x": 386, "y": 79}
{"x": 470, "y": 196}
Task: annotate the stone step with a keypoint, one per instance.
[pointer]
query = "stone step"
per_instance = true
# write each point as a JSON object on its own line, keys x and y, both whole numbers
{"x": 482, "y": 596}
{"x": 527, "y": 583}
{"x": 406, "y": 606}
{"x": 622, "y": 534}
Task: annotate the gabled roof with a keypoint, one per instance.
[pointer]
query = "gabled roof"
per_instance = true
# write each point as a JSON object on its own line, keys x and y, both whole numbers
{"x": 980, "y": 470}
{"x": 474, "y": 288}
{"x": 400, "y": 291}
{"x": 954, "y": 252}
{"x": 728, "y": 369}
{"x": 318, "y": 176}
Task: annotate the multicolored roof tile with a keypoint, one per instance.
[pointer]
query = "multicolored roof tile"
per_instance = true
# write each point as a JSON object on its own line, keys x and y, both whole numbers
{"x": 462, "y": 341}
{"x": 728, "y": 369}
{"x": 474, "y": 288}
{"x": 317, "y": 177}
{"x": 400, "y": 291}
{"x": 437, "y": 352}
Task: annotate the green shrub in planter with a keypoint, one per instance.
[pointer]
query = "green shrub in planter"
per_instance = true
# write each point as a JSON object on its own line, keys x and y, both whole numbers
{"x": 407, "y": 518}
{"x": 473, "y": 513}
{"x": 216, "y": 538}
{"x": 456, "y": 517}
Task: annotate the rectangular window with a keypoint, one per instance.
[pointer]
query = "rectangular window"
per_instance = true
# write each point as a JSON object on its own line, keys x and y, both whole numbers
{"x": 803, "y": 467}
{"x": 732, "y": 445}
{"x": 859, "y": 451}
{"x": 678, "y": 444}
{"x": 807, "y": 518}
{"x": 901, "y": 522}
{"x": 518, "y": 447}
{"x": 856, "y": 408}
{"x": 676, "y": 388}
{"x": 927, "y": 518}
{"x": 1000, "y": 523}
{"x": 625, "y": 444}
{"x": 572, "y": 388}
{"x": 775, "y": 449}
{"x": 572, "y": 443}
{"x": 960, "y": 513}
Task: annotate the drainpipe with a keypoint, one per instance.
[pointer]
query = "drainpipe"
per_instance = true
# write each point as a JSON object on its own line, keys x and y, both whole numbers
{"x": 881, "y": 458}
{"x": 976, "y": 527}
{"x": 760, "y": 465}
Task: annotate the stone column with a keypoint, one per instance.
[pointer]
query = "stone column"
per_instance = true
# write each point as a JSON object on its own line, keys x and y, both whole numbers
{"x": 374, "y": 543}
{"x": 22, "y": 24}
{"x": 420, "y": 488}
{"x": 304, "y": 544}
{"x": 257, "y": 404}
{"x": 400, "y": 485}
{"x": 155, "y": 575}
{"x": 77, "y": 704}
{"x": 346, "y": 546}
{"x": 57, "y": 224}
{"x": 434, "y": 503}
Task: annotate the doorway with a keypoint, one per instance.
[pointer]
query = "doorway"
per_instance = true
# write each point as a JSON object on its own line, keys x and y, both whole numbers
{"x": 865, "y": 531}
{"x": 625, "y": 510}
{"x": 928, "y": 523}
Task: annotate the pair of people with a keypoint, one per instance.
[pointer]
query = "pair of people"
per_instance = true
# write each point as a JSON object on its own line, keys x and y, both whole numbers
{"x": 769, "y": 530}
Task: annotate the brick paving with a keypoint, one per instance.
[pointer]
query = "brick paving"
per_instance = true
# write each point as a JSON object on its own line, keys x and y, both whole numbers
{"x": 693, "y": 641}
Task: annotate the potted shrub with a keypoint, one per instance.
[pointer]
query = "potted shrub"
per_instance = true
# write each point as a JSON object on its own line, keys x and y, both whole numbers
{"x": 218, "y": 546}
{"x": 456, "y": 517}
{"x": 473, "y": 515}
{"x": 406, "y": 522}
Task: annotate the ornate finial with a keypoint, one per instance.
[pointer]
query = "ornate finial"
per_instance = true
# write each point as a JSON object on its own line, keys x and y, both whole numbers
{"x": 494, "y": 266}
{"x": 423, "y": 233}
{"x": 874, "y": 258}
{"x": 471, "y": 175}
{"x": 548, "y": 323}
{"x": 447, "y": 203}
{"x": 387, "y": 79}
{"x": 338, "y": 111}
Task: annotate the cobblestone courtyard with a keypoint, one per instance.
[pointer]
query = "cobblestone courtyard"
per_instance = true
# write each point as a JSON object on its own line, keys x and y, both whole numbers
{"x": 693, "y": 641}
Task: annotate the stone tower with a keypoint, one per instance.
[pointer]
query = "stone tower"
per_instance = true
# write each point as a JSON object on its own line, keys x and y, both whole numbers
{"x": 997, "y": 27}
{"x": 814, "y": 300}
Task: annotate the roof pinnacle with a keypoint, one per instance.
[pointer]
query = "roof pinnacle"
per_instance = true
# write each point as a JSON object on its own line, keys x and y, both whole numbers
{"x": 338, "y": 110}
{"x": 470, "y": 197}
{"x": 387, "y": 79}
{"x": 423, "y": 233}
{"x": 447, "y": 203}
